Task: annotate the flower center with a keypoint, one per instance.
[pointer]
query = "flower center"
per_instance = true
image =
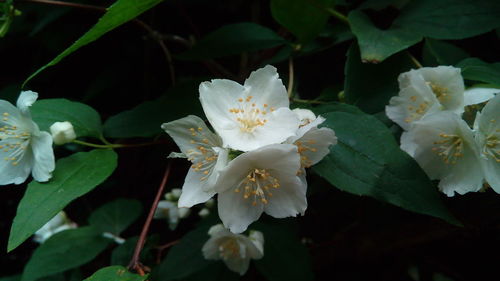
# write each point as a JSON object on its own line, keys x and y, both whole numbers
{"x": 302, "y": 148}
{"x": 229, "y": 249}
{"x": 257, "y": 185}
{"x": 248, "y": 114}
{"x": 416, "y": 109}
{"x": 450, "y": 148}
{"x": 440, "y": 92}
{"x": 492, "y": 146}
{"x": 13, "y": 141}
{"x": 203, "y": 156}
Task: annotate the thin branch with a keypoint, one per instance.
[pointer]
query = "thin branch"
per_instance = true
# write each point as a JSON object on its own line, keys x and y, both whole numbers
{"x": 135, "y": 264}
{"x": 414, "y": 60}
{"x": 164, "y": 247}
{"x": 290, "y": 77}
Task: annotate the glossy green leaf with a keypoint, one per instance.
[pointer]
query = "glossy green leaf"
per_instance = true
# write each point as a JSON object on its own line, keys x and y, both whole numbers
{"x": 84, "y": 118}
{"x": 117, "y": 14}
{"x": 478, "y": 70}
{"x": 438, "y": 52}
{"x": 116, "y": 216}
{"x": 379, "y": 82}
{"x": 285, "y": 257}
{"x": 450, "y": 19}
{"x": 115, "y": 273}
{"x": 233, "y": 39}
{"x": 375, "y": 44}
{"x": 65, "y": 250}
{"x": 184, "y": 258}
{"x": 305, "y": 19}
{"x": 74, "y": 176}
{"x": 145, "y": 119}
{"x": 368, "y": 161}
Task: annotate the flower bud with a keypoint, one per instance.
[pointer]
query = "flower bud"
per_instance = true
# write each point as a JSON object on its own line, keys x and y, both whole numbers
{"x": 62, "y": 132}
{"x": 204, "y": 212}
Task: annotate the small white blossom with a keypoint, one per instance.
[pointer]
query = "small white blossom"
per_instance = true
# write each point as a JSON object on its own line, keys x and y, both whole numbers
{"x": 425, "y": 91}
{"x": 443, "y": 145}
{"x": 235, "y": 250}
{"x": 169, "y": 210}
{"x": 252, "y": 115}
{"x": 62, "y": 132}
{"x": 261, "y": 180}
{"x": 57, "y": 224}
{"x": 23, "y": 147}
{"x": 203, "y": 149}
{"x": 487, "y": 133}
{"x": 204, "y": 212}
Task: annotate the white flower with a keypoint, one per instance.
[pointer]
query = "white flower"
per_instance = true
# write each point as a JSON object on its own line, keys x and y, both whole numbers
{"x": 261, "y": 180}
{"x": 252, "y": 115}
{"x": 62, "y": 132}
{"x": 443, "y": 145}
{"x": 235, "y": 250}
{"x": 203, "y": 149}
{"x": 312, "y": 143}
{"x": 169, "y": 210}
{"x": 23, "y": 147}
{"x": 57, "y": 224}
{"x": 487, "y": 133}
{"x": 425, "y": 91}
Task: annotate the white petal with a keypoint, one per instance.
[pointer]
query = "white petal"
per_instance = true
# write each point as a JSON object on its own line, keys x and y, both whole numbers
{"x": 14, "y": 171}
{"x": 217, "y": 230}
{"x": 25, "y": 100}
{"x": 192, "y": 190}
{"x": 491, "y": 171}
{"x": 190, "y": 132}
{"x": 448, "y": 80}
{"x": 44, "y": 161}
{"x": 479, "y": 95}
{"x": 237, "y": 213}
{"x": 210, "y": 249}
{"x": 265, "y": 86}
{"x": 238, "y": 265}
{"x": 315, "y": 145}
{"x": 288, "y": 200}
{"x": 305, "y": 127}
{"x": 257, "y": 241}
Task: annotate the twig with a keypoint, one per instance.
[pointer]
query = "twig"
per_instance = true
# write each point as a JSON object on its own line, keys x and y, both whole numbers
{"x": 290, "y": 77}
{"x": 414, "y": 60}
{"x": 134, "y": 262}
{"x": 164, "y": 247}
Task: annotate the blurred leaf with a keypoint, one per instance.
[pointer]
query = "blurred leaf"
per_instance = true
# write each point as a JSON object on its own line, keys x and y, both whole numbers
{"x": 376, "y": 45}
{"x": 217, "y": 271}
{"x": 11, "y": 278}
{"x": 285, "y": 257}
{"x": 438, "y": 52}
{"x": 367, "y": 161}
{"x": 74, "y": 176}
{"x": 184, "y": 258}
{"x": 85, "y": 119}
{"x": 382, "y": 4}
{"x": 65, "y": 250}
{"x": 304, "y": 18}
{"x": 117, "y": 14}
{"x": 450, "y": 19}
{"x": 379, "y": 82}
{"x": 116, "y": 216}
{"x": 233, "y": 39}
{"x": 115, "y": 273}
{"x": 478, "y": 70}
{"x": 145, "y": 119}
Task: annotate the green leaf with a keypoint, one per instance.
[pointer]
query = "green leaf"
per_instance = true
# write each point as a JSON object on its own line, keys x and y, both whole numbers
{"x": 115, "y": 273}
{"x": 233, "y": 39}
{"x": 85, "y": 119}
{"x": 11, "y": 278}
{"x": 438, "y": 52}
{"x": 65, "y": 250}
{"x": 371, "y": 86}
{"x": 217, "y": 271}
{"x": 74, "y": 176}
{"x": 376, "y": 45}
{"x": 116, "y": 216}
{"x": 185, "y": 258}
{"x": 145, "y": 119}
{"x": 117, "y": 14}
{"x": 450, "y": 19}
{"x": 368, "y": 161}
{"x": 305, "y": 19}
{"x": 285, "y": 257}
{"x": 478, "y": 70}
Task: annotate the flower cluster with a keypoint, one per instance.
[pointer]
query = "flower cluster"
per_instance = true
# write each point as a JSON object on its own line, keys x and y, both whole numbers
{"x": 429, "y": 108}
{"x": 23, "y": 147}
{"x": 256, "y": 160}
